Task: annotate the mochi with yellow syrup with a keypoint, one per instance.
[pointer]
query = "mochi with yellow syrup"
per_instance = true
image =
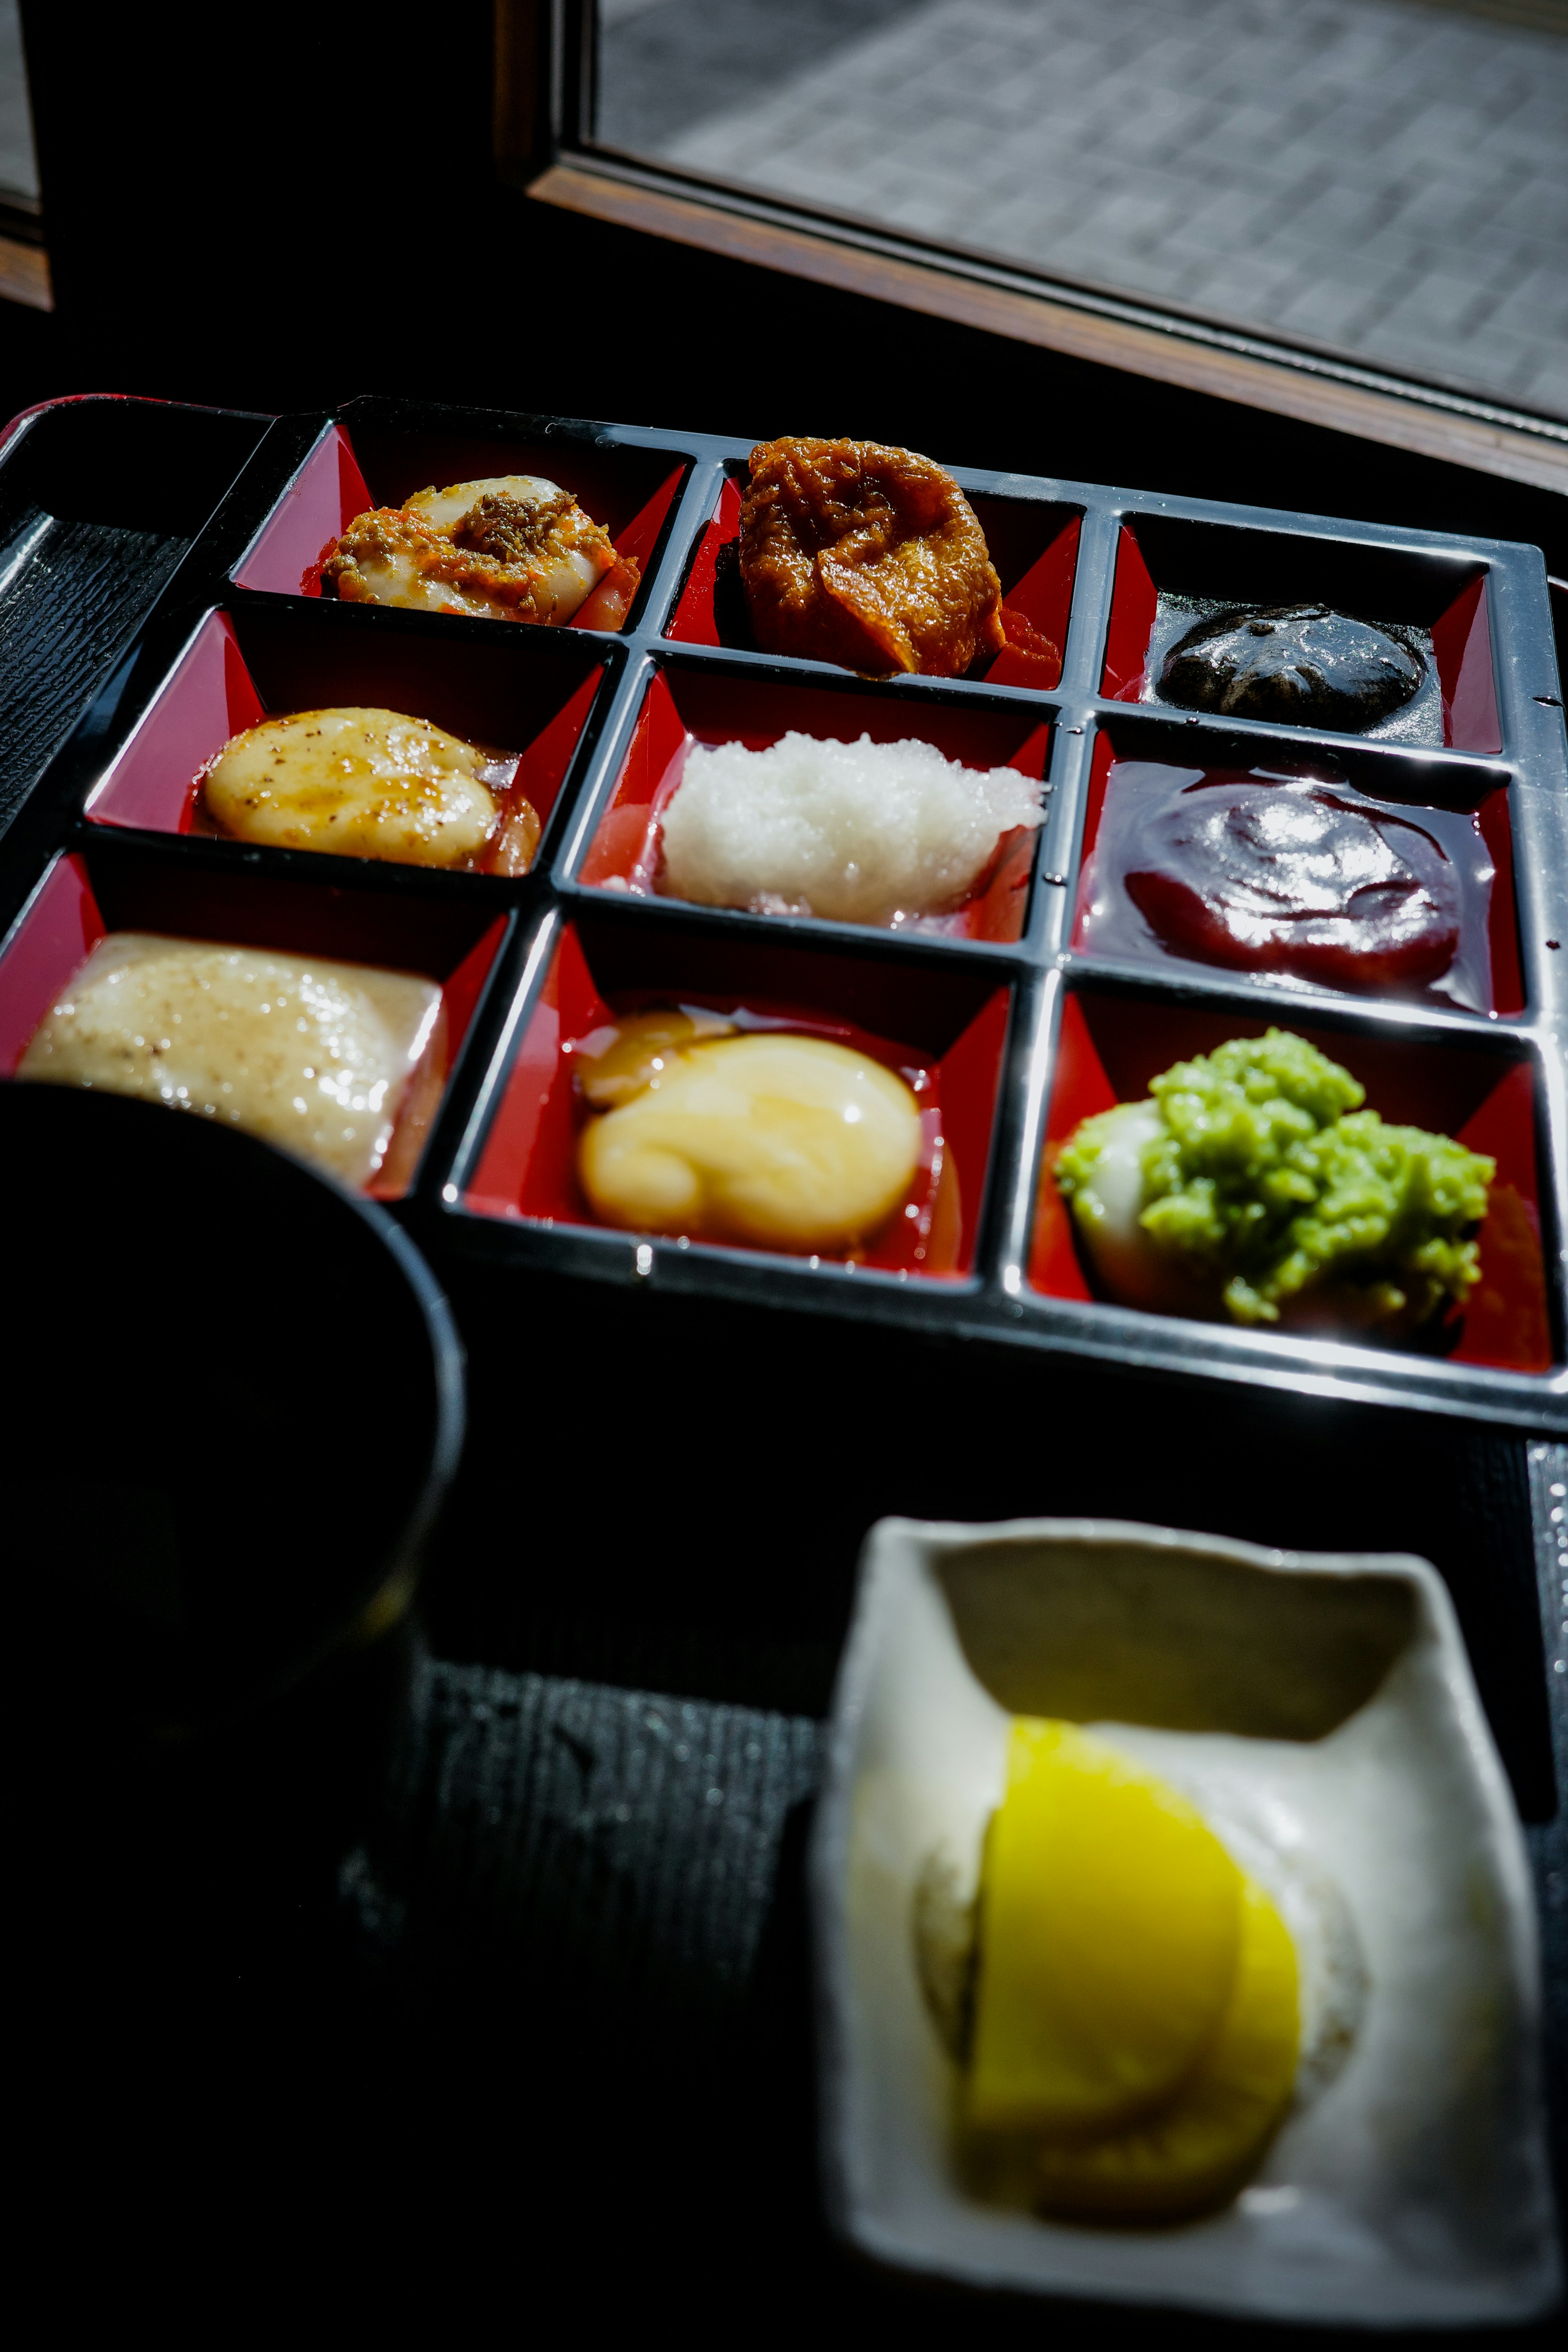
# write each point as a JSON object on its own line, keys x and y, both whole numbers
{"x": 1134, "y": 2027}
{"x": 636, "y": 1051}
{"x": 322, "y": 1058}
{"x": 363, "y": 782}
{"x": 784, "y": 1141}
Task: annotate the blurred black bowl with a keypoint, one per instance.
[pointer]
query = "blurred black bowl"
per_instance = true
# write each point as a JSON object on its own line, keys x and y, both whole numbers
{"x": 235, "y": 1400}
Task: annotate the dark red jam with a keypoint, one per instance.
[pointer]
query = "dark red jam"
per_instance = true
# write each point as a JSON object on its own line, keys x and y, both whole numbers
{"x": 1293, "y": 875}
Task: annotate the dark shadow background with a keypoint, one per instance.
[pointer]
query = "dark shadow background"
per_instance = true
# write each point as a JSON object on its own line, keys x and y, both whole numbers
{"x": 279, "y": 205}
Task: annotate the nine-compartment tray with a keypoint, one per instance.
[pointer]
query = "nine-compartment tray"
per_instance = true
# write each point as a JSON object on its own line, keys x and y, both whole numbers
{"x": 1025, "y": 1025}
{"x": 1021, "y": 1024}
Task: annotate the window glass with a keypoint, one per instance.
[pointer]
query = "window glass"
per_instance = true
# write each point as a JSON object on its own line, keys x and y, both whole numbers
{"x": 18, "y": 167}
{"x": 1387, "y": 179}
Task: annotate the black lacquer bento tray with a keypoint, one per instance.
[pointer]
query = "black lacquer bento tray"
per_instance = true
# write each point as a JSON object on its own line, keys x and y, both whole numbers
{"x": 1029, "y": 1032}
{"x": 203, "y": 533}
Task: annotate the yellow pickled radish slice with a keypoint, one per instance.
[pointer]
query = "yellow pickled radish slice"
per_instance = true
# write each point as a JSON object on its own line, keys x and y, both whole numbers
{"x": 1197, "y": 2151}
{"x": 1109, "y": 1925}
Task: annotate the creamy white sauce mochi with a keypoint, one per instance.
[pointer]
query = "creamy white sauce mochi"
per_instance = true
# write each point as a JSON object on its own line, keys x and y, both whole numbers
{"x": 314, "y": 1055}
{"x": 859, "y": 833}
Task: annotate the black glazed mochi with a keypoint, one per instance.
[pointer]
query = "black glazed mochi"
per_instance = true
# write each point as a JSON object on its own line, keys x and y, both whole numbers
{"x": 1300, "y": 664}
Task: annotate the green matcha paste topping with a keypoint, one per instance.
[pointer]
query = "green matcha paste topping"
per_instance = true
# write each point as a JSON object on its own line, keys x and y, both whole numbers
{"x": 1266, "y": 1175}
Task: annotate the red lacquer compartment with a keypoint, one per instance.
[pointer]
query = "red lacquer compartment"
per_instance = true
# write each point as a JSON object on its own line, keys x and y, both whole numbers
{"x": 1170, "y": 572}
{"x": 944, "y": 1032}
{"x": 530, "y": 701}
{"x": 630, "y": 491}
{"x": 84, "y": 896}
{"x": 1033, "y": 544}
{"x": 684, "y": 707}
{"x": 1138, "y": 898}
{"x": 1111, "y": 1045}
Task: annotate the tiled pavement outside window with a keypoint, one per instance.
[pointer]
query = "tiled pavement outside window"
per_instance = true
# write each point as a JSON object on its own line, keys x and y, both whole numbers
{"x": 1386, "y": 177}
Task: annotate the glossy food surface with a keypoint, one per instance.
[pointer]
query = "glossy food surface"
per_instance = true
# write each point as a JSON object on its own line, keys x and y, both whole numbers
{"x": 865, "y": 555}
{"x": 314, "y": 1055}
{"x": 785, "y": 1141}
{"x": 1299, "y": 664}
{"x": 509, "y": 547}
{"x": 1294, "y": 876}
{"x": 362, "y": 782}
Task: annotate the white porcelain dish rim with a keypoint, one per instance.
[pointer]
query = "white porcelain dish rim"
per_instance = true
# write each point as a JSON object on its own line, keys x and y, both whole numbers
{"x": 898, "y": 1559}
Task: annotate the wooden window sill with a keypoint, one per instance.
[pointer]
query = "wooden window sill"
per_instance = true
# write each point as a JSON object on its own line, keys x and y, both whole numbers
{"x": 24, "y": 274}
{"x": 1166, "y": 355}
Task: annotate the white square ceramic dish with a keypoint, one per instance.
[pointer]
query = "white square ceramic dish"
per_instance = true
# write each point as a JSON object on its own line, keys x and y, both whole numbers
{"x": 1319, "y": 1709}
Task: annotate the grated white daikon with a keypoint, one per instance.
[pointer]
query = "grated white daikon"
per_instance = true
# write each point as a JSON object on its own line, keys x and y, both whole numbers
{"x": 859, "y": 833}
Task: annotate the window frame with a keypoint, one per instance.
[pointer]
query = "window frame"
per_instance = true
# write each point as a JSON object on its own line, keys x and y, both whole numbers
{"x": 545, "y": 67}
{"x": 24, "y": 262}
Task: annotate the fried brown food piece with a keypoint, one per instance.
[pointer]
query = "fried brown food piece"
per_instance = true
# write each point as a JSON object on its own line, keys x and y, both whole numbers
{"x": 871, "y": 557}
